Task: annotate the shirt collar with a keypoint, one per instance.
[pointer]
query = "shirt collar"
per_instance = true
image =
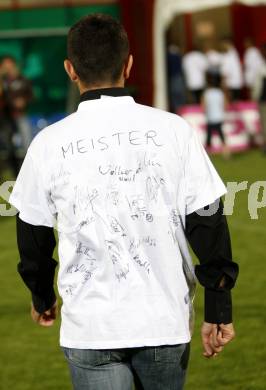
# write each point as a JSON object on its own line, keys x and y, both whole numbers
{"x": 97, "y": 93}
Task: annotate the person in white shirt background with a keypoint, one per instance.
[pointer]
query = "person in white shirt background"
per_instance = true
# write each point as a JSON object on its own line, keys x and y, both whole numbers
{"x": 125, "y": 185}
{"x": 231, "y": 69}
{"x": 195, "y": 66}
{"x": 214, "y": 58}
{"x": 259, "y": 93}
{"x": 214, "y": 103}
{"x": 253, "y": 61}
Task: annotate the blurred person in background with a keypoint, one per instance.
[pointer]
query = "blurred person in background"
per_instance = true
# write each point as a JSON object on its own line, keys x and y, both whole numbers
{"x": 176, "y": 84}
{"x": 259, "y": 93}
{"x": 195, "y": 66}
{"x": 214, "y": 103}
{"x": 214, "y": 58}
{"x": 8, "y": 126}
{"x": 231, "y": 70}
{"x": 16, "y": 96}
{"x": 253, "y": 61}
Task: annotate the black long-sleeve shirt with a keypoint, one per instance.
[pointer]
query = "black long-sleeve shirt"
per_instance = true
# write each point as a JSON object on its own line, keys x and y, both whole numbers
{"x": 208, "y": 236}
{"x": 36, "y": 245}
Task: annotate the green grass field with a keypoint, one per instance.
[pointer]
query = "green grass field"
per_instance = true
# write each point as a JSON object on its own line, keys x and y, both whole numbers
{"x": 30, "y": 358}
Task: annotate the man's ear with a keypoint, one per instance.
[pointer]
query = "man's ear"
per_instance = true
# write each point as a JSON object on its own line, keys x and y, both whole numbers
{"x": 128, "y": 67}
{"x": 70, "y": 71}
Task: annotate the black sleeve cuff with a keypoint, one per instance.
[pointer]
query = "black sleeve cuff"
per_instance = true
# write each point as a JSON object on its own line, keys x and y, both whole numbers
{"x": 41, "y": 304}
{"x": 218, "y": 307}
{"x": 211, "y": 273}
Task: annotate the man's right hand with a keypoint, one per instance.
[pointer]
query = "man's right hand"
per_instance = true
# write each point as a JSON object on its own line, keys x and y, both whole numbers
{"x": 47, "y": 318}
{"x": 215, "y": 337}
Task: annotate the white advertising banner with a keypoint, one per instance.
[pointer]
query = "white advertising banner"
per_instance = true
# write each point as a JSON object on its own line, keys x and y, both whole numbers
{"x": 242, "y": 126}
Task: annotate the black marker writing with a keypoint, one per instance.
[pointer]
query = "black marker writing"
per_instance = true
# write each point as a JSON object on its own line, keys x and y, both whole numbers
{"x": 135, "y": 243}
{"x": 82, "y": 269}
{"x": 122, "y": 274}
{"x": 82, "y": 249}
{"x": 65, "y": 150}
{"x": 101, "y": 142}
{"x": 81, "y": 149}
{"x": 151, "y": 135}
{"x": 142, "y": 263}
{"x": 131, "y": 138}
{"x": 118, "y": 137}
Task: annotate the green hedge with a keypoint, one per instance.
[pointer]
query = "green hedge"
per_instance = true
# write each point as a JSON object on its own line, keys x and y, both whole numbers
{"x": 51, "y": 17}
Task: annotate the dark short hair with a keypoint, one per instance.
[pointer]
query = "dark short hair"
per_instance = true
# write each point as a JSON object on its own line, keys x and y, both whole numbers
{"x": 98, "y": 48}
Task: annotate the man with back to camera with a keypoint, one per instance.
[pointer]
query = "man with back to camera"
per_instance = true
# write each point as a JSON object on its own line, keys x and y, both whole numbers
{"x": 122, "y": 182}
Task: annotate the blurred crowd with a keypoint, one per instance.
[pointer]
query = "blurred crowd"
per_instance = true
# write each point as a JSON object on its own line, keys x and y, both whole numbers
{"x": 214, "y": 76}
{"x": 15, "y": 131}
{"x": 187, "y": 72}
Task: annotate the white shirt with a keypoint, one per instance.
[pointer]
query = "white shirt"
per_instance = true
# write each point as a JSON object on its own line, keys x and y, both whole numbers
{"x": 259, "y": 81}
{"x": 195, "y": 66}
{"x": 231, "y": 70}
{"x": 253, "y": 61}
{"x": 118, "y": 179}
{"x": 214, "y": 59}
{"x": 214, "y": 101}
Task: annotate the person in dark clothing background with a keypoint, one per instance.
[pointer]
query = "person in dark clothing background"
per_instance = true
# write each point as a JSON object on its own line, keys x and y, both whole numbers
{"x": 176, "y": 82}
{"x": 15, "y": 96}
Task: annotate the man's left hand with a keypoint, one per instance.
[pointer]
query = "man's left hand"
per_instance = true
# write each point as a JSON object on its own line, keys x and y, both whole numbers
{"x": 215, "y": 337}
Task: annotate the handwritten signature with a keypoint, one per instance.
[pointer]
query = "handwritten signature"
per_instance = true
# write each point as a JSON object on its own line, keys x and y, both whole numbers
{"x": 83, "y": 249}
{"x": 137, "y": 205}
{"x": 153, "y": 185}
{"x": 82, "y": 269}
{"x": 135, "y": 243}
{"x": 142, "y": 263}
{"x": 122, "y": 274}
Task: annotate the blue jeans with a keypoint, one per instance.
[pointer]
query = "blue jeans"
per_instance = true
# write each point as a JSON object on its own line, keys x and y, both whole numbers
{"x": 148, "y": 368}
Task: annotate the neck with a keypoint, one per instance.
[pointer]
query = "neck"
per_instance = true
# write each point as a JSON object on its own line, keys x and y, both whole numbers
{"x": 83, "y": 88}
